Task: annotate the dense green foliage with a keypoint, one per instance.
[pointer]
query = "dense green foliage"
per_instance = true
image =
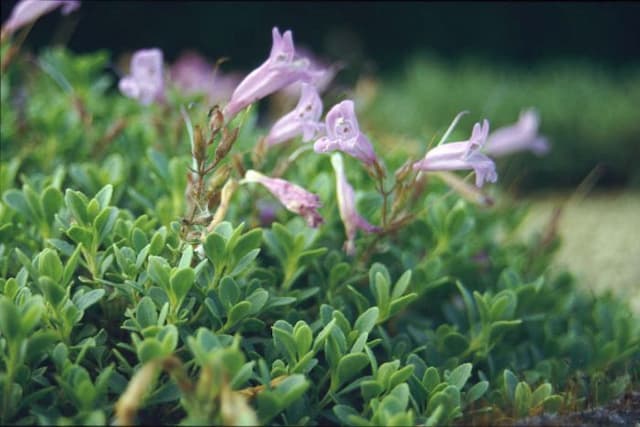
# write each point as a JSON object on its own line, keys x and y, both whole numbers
{"x": 589, "y": 114}
{"x": 101, "y": 286}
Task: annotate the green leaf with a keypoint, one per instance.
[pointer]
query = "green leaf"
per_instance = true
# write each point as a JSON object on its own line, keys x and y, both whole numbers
{"x": 51, "y": 201}
{"x": 9, "y": 319}
{"x": 86, "y": 300}
{"x": 303, "y": 338}
{"x": 431, "y": 378}
{"x": 401, "y": 302}
{"x": 401, "y": 285}
{"x": 509, "y": 383}
{"x": 323, "y": 334}
{"x": 476, "y": 391}
{"x": 181, "y": 282}
{"x": 238, "y": 312}
{"x": 214, "y": 248}
{"x": 15, "y": 200}
{"x": 455, "y": 343}
{"x": 349, "y": 416}
{"x": 349, "y": 366}
{"x": 70, "y": 267}
{"x": 370, "y": 389}
{"x": 540, "y": 394}
{"x": 186, "y": 258}
{"x": 38, "y": 344}
{"x": 77, "y": 204}
{"x": 104, "y": 222}
{"x": 272, "y": 402}
{"x": 228, "y": 292}
{"x": 400, "y": 376}
{"x": 54, "y": 293}
{"x": 244, "y": 262}
{"x": 146, "y": 312}
{"x": 158, "y": 270}
{"x": 523, "y": 399}
{"x": 81, "y": 235}
{"x": 31, "y": 313}
{"x": 459, "y": 376}
{"x": 168, "y": 337}
{"x": 150, "y": 349}
{"x": 366, "y": 321}
{"x": 258, "y": 299}
{"x": 104, "y": 196}
{"x": 158, "y": 241}
{"x": 49, "y": 265}
{"x": 552, "y": 404}
{"x": 381, "y": 294}
{"x": 248, "y": 242}
{"x": 284, "y": 341}
{"x": 138, "y": 239}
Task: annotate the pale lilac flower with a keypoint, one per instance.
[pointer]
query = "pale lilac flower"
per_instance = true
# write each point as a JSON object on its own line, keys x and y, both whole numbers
{"x": 296, "y": 199}
{"x": 281, "y": 69}
{"x": 192, "y": 74}
{"x": 347, "y": 206}
{"x": 145, "y": 81}
{"x": 523, "y": 135}
{"x": 27, "y": 11}
{"x": 323, "y": 74}
{"x": 462, "y": 155}
{"x": 343, "y": 134}
{"x": 303, "y": 120}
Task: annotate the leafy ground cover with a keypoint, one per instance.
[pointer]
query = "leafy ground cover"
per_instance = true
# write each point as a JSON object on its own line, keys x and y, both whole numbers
{"x": 133, "y": 292}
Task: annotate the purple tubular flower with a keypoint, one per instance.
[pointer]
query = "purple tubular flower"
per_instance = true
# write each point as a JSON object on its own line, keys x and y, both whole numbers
{"x": 343, "y": 134}
{"x": 279, "y": 70}
{"x": 462, "y": 155}
{"x": 146, "y": 82}
{"x": 303, "y": 120}
{"x": 27, "y": 11}
{"x": 347, "y": 206}
{"x": 322, "y": 74}
{"x": 296, "y": 199}
{"x": 523, "y": 135}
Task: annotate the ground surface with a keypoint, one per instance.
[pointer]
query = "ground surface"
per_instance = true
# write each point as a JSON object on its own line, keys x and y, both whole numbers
{"x": 600, "y": 239}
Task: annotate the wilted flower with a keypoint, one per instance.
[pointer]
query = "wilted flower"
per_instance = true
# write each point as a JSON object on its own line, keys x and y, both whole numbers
{"x": 281, "y": 69}
{"x": 462, "y": 155}
{"x": 523, "y": 135}
{"x": 343, "y": 134}
{"x": 27, "y": 11}
{"x": 296, "y": 199}
{"x": 347, "y": 206}
{"x": 303, "y": 120}
{"x": 145, "y": 81}
{"x": 192, "y": 74}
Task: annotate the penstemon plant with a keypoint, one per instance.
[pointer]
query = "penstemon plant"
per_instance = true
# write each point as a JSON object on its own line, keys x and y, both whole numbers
{"x": 144, "y": 279}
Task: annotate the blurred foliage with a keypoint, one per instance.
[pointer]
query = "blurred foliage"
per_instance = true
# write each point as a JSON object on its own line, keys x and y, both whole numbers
{"x": 588, "y": 113}
{"x": 108, "y": 312}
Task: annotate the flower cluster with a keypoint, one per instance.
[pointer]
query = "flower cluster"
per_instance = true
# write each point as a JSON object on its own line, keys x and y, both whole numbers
{"x": 146, "y": 79}
{"x": 282, "y": 68}
{"x": 289, "y": 71}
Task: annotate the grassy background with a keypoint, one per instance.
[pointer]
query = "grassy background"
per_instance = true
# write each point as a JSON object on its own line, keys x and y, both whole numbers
{"x": 599, "y": 239}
